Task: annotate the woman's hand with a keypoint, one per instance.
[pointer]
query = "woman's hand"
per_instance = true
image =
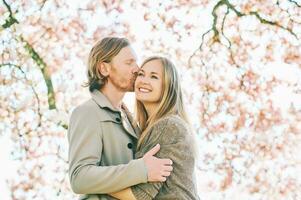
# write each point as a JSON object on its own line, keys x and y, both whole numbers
{"x": 125, "y": 194}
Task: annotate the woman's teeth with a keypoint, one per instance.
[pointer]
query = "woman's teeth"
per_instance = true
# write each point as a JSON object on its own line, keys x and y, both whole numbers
{"x": 144, "y": 90}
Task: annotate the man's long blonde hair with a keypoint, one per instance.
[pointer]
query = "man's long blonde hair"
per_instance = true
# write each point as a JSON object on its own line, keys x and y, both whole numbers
{"x": 103, "y": 51}
{"x": 171, "y": 101}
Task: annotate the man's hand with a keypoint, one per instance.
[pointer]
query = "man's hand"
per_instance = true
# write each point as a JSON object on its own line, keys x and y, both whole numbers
{"x": 157, "y": 169}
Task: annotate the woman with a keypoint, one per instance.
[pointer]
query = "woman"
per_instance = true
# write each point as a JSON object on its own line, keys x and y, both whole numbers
{"x": 162, "y": 119}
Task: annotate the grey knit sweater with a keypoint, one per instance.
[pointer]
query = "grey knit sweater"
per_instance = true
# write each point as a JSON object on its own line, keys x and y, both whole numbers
{"x": 175, "y": 140}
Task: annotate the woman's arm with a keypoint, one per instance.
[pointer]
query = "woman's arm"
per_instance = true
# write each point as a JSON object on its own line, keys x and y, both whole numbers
{"x": 125, "y": 194}
{"x": 170, "y": 134}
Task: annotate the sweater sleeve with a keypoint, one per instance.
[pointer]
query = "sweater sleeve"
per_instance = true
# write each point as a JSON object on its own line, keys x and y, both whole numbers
{"x": 171, "y": 137}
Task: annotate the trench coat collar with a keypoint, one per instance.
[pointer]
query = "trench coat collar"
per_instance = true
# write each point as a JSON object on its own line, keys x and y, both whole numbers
{"x": 102, "y": 100}
{"x": 132, "y": 121}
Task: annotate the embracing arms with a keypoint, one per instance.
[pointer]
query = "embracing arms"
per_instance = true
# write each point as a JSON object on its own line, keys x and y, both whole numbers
{"x": 174, "y": 138}
{"x": 85, "y": 151}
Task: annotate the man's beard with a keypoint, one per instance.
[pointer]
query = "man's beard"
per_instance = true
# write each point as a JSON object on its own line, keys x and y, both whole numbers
{"x": 122, "y": 87}
{"x": 118, "y": 81}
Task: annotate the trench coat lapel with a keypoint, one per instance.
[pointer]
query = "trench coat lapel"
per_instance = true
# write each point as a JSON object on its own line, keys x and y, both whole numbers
{"x": 133, "y": 123}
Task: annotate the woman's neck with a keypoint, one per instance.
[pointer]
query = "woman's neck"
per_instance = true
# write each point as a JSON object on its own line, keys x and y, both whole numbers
{"x": 150, "y": 108}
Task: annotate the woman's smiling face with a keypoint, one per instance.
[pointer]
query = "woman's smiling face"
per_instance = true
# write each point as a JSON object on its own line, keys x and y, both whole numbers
{"x": 149, "y": 82}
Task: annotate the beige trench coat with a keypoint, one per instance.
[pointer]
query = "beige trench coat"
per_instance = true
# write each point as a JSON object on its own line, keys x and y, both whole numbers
{"x": 101, "y": 145}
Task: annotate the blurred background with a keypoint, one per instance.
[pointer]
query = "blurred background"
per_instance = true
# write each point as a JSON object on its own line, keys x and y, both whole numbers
{"x": 240, "y": 65}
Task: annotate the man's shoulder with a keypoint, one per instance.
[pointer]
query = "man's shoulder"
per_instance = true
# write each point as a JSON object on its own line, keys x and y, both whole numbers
{"x": 90, "y": 109}
{"x": 87, "y": 106}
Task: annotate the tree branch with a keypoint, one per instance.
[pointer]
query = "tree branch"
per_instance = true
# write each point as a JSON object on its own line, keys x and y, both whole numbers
{"x": 35, "y": 56}
{"x": 294, "y": 2}
{"x": 198, "y": 49}
{"x": 230, "y": 6}
{"x": 43, "y": 67}
{"x": 11, "y": 19}
{"x": 265, "y": 21}
{"x": 261, "y": 19}
{"x": 43, "y": 4}
{"x": 228, "y": 40}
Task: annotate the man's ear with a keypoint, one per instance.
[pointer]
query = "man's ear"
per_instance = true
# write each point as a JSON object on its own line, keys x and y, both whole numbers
{"x": 104, "y": 69}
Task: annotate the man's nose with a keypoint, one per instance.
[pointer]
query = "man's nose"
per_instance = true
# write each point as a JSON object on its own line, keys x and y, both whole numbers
{"x": 135, "y": 69}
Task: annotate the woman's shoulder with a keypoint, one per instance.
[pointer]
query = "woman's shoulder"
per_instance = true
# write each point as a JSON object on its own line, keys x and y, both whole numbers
{"x": 171, "y": 120}
{"x": 172, "y": 126}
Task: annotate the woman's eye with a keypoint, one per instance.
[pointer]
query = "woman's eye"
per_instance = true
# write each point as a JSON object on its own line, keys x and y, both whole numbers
{"x": 140, "y": 74}
{"x": 155, "y": 77}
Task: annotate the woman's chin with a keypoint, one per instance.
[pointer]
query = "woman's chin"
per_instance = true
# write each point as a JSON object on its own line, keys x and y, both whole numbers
{"x": 139, "y": 96}
{"x": 140, "y": 99}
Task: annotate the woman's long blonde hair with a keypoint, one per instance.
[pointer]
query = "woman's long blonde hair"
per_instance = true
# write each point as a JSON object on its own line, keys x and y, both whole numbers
{"x": 171, "y": 101}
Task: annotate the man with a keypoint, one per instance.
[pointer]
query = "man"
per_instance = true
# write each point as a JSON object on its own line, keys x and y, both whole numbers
{"x": 102, "y": 135}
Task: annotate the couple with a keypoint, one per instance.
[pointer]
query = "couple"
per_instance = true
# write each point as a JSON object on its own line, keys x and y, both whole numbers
{"x": 110, "y": 156}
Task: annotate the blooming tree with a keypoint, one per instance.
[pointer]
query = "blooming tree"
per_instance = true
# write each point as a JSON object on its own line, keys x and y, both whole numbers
{"x": 240, "y": 66}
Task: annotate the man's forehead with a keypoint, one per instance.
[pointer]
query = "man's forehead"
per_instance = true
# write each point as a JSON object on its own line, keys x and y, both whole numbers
{"x": 128, "y": 53}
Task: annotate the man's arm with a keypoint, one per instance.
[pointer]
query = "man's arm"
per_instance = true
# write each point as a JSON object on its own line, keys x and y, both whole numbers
{"x": 85, "y": 150}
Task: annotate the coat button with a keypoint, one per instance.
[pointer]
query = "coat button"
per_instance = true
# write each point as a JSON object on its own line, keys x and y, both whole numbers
{"x": 130, "y": 145}
{"x": 118, "y": 119}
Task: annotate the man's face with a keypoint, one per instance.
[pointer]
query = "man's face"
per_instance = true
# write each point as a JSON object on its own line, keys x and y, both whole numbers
{"x": 124, "y": 70}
